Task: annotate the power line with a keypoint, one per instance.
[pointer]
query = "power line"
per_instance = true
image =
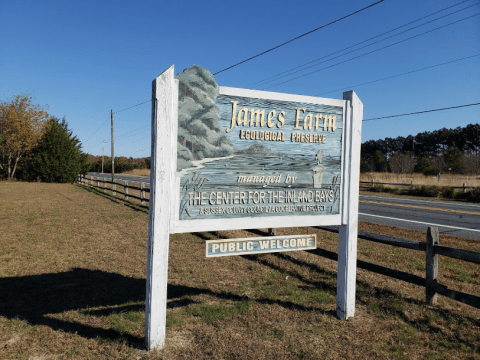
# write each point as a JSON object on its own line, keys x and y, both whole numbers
{"x": 133, "y": 131}
{"x": 291, "y": 71}
{"x": 264, "y": 52}
{"x": 422, "y": 112}
{"x": 397, "y": 75}
{"x": 371, "y": 52}
{"x": 298, "y": 37}
{"x": 130, "y": 107}
{"x": 134, "y": 141}
{"x": 96, "y": 131}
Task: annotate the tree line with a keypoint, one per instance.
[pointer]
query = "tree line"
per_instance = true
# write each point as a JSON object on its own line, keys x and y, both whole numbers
{"x": 431, "y": 153}
{"x": 35, "y": 145}
{"x": 122, "y": 163}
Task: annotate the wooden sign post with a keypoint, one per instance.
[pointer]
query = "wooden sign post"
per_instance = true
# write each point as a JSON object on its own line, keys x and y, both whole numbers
{"x": 227, "y": 158}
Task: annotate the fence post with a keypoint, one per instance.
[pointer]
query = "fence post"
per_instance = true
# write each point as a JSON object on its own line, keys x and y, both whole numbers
{"x": 142, "y": 193}
{"x": 125, "y": 187}
{"x": 373, "y": 184}
{"x": 104, "y": 185}
{"x": 411, "y": 184}
{"x": 114, "y": 188}
{"x": 98, "y": 182}
{"x": 464, "y": 188}
{"x": 272, "y": 231}
{"x": 432, "y": 264}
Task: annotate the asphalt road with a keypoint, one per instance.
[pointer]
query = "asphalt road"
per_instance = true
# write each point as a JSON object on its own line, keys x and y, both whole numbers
{"x": 452, "y": 218}
{"x": 129, "y": 178}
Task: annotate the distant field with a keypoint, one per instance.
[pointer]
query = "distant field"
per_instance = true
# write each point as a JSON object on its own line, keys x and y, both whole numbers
{"x": 72, "y": 285}
{"x": 420, "y": 179}
{"x": 138, "y": 172}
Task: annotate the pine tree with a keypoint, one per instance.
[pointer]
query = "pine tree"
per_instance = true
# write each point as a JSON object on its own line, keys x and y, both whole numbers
{"x": 58, "y": 158}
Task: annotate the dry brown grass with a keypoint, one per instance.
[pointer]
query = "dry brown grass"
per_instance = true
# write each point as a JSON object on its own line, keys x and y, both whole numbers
{"x": 72, "y": 285}
{"x": 138, "y": 172}
{"x": 420, "y": 179}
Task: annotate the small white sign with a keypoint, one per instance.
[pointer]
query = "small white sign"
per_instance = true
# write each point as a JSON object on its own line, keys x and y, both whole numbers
{"x": 259, "y": 245}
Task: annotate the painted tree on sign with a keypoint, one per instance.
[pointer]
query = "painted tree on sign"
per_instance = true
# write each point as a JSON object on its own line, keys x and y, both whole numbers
{"x": 21, "y": 125}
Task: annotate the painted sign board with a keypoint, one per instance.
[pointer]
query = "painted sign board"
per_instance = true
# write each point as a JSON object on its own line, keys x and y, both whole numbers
{"x": 259, "y": 245}
{"x": 247, "y": 158}
{"x": 226, "y": 158}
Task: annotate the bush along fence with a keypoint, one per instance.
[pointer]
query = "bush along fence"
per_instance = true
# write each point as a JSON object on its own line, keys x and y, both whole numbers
{"x": 141, "y": 188}
{"x": 432, "y": 248}
{"x": 469, "y": 193}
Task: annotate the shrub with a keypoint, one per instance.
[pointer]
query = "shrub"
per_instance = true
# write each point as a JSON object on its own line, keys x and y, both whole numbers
{"x": 57, "y": 157}
{"x": 427, "y": 191}
{"x": 474, "y": 195}
{"x": 448, "y": 192}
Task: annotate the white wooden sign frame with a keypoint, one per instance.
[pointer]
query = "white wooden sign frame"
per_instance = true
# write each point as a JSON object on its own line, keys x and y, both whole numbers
{"x": 164, "y": 200}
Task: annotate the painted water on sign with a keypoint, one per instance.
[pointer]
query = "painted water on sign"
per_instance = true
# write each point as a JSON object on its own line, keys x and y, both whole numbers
{"x": 267, "y": 186}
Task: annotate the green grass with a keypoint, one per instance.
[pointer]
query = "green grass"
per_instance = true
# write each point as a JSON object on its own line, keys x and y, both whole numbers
{"x": 432, "y": 318}
{"x": 127, "y": 321}
{"x": 175, "y": 320}
{"x": 216, "y": 312}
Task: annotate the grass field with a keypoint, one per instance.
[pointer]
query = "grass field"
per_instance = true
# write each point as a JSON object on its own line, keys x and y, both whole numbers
{"x": 139, "y": 172}
{"x": 72, "y": 286}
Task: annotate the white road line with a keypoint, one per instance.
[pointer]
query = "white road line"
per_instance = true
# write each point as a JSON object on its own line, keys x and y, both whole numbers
{"x": 400, "y": 200}
{"x": 419, "y": 222}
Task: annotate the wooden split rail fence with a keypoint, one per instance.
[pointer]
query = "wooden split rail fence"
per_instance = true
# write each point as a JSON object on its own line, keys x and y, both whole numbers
{"x": 104, "y": 183}
{"x": 371, "y": 184}
{"x": 432, "y": 248}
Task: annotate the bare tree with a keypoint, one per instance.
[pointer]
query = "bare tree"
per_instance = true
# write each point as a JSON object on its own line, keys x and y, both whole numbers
{"x": 402, "y": 163}
{"x": 470, "y": 164}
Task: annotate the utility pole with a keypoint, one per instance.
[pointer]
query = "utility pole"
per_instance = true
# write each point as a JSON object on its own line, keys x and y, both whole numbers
{"x": 113, "y": 157}
{"x": 103, "y": 142}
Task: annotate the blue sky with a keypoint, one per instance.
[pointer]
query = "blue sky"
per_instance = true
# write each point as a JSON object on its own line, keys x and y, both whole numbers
{"x": 84, "y": 58}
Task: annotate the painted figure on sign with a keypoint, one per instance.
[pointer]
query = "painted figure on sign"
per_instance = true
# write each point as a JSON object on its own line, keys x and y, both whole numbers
{"x": 318, "y": 171}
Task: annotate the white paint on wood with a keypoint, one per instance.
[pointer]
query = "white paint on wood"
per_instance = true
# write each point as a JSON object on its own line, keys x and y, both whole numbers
{"x": 182, "y": 226}
{"x": 347, "y": 239}
{"x": 225, "y": 90}
{"x": 347, "y": 128}
{"x": 431, "y": 264}
{"x": 164, "y": 147}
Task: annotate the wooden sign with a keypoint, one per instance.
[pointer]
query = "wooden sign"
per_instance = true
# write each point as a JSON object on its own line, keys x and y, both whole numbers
{"x": 227, "y": 158}
{"x": 259, "y": 245}
{"x": 258, "y": 158}
{"x": 285, "y": 159}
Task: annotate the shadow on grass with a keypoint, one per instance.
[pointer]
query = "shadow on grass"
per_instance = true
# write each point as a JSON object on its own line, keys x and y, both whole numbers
{"x": 31, "y": 298}
{"x": 37, "y": 298}
{"x": 386, "y": 302}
